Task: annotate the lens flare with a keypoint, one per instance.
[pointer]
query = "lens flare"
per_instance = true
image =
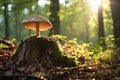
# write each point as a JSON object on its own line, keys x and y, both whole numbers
{"x": 94, "y": 4}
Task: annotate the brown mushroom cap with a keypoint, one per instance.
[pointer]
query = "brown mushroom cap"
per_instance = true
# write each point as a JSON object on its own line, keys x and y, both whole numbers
{"x": 30, "y": 23}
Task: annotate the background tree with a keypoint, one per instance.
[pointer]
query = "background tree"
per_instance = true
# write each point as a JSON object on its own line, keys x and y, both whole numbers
{"x": 100, "y": 21}
{"x": 115, "y": 7}
{"x": 5, "y": 4}
{"x": 101, "y": 32}
{"x": 54, "y": 17}
{"x": 16, "y": 13}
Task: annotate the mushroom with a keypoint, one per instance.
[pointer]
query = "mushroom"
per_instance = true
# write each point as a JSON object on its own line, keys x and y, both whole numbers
{"x": 37, "y": 22}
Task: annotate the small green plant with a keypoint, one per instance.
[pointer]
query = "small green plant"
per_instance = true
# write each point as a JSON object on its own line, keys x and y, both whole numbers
{"x": 97, "y": 48}
{"x": 103, "y": 53}
{"x": 3, "y": 46}
{"x": 109, "y": 40}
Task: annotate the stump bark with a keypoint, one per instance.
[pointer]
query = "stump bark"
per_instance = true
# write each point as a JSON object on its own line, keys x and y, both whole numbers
{"x": 44, "y": 50}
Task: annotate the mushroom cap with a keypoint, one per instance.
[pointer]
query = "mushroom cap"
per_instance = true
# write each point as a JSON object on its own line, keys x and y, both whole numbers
{"x": 30, "y": 23}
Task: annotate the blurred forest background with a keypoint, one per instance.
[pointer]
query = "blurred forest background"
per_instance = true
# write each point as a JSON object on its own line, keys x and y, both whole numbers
{"x": 79, "y": 19}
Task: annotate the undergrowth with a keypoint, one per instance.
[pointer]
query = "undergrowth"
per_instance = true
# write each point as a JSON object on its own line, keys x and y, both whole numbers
{"x": 89, "y": 53}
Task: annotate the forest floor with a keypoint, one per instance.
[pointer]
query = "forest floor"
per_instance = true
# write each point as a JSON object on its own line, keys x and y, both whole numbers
{"x": 89, "y": 70}
{"x": 80, "y": 72}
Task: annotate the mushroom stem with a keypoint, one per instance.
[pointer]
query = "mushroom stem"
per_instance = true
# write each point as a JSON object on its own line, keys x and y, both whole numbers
{"x": 37, "y": 29}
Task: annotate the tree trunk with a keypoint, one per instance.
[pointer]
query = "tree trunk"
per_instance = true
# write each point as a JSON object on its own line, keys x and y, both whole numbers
{"x": 16, "y": 24}
{"x": 101, "y": 32}
{"x": 6, "y": 18}
{"x": 54, "y": 18}
{"x": 115, "y": 8}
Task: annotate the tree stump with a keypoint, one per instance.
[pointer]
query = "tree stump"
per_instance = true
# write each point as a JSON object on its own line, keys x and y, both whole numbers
{"x": 44, "y": 50}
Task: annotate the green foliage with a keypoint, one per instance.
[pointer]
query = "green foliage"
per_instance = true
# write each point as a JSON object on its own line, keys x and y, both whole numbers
{"x": 97, "y": 48}
{"x": 73, "y": 41}
{"x": 59, "y": 36}
{"x": 104, "y": 53}
{"x": 109, "y": 40}
{"x": 3, "y": 46}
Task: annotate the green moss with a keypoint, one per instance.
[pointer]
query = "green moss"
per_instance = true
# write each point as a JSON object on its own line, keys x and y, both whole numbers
{"x": 59, "y": 57}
